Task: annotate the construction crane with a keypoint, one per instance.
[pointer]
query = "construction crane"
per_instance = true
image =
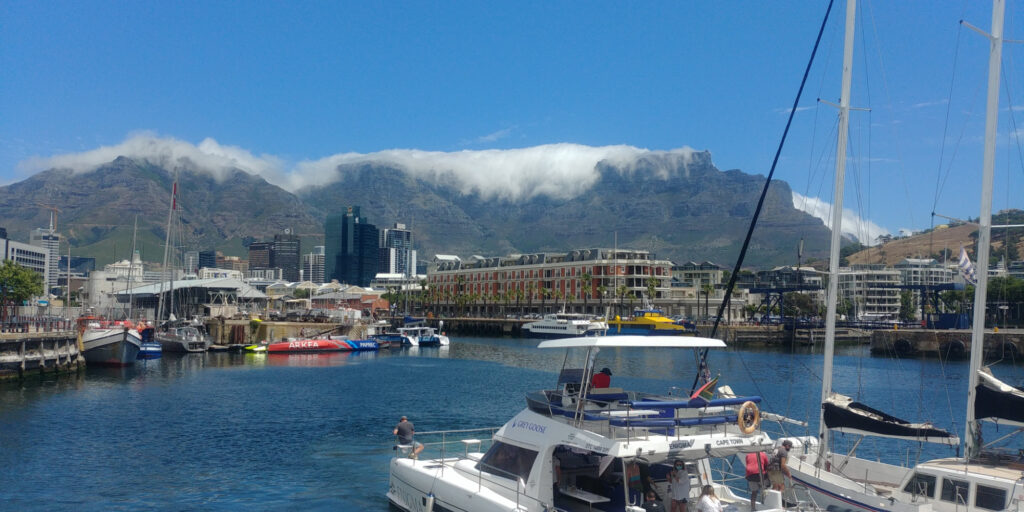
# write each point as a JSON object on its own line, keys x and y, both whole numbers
{"x": 53, "y": 214}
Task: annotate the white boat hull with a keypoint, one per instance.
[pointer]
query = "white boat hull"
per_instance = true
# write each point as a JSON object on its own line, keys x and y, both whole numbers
{"x": 115, "y": 346}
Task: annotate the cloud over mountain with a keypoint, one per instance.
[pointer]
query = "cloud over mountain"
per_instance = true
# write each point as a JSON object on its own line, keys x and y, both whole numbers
{"x": 560, "y": 171}
{"x": 865, "y": 231}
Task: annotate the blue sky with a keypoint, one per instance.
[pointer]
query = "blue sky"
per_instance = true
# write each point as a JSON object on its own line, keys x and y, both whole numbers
{"x": 284, "y": 85}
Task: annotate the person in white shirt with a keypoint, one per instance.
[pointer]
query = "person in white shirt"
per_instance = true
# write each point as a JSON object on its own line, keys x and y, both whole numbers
{"x": 679, "y": 481}
{"x": 708, "y": 501}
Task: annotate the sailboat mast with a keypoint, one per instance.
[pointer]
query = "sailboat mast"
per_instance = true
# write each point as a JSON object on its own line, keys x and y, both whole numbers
{"x": 985, "y": 224}
{"x": 131, "y": 264}
{"x": 167, "y": 245}
{"x": 837, "y": 219}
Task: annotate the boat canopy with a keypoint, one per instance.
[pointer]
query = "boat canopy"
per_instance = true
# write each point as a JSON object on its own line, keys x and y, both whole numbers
{"x": 634, "y": 342}
{"x": 997, "y": 401}
{"x": 845, "y": 415}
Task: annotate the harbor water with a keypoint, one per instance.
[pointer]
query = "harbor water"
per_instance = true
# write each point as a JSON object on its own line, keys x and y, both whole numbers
{"x": 226, "y": 431}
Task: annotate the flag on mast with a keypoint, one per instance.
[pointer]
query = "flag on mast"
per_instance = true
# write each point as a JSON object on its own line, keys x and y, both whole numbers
{"x": 966, "y": 267}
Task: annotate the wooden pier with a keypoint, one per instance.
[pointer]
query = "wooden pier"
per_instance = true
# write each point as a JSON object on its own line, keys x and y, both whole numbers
{"x": 27, "y": 354}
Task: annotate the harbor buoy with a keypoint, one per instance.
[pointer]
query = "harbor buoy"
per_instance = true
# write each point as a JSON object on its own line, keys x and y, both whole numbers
{"x": 749, "y": 417}
{"x": 428, "y": 502}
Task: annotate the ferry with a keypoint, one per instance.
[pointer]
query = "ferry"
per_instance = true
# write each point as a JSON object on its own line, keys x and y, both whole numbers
{"x": 564, "y": 325}
{"x": 321, "y": 345}
{"x": 576, "y": 448}
{"x": 650, "y": 322}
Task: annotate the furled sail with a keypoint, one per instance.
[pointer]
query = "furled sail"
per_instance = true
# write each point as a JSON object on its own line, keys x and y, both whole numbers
{"x": 997, "y": 401}
{"x": 845, "y": 415}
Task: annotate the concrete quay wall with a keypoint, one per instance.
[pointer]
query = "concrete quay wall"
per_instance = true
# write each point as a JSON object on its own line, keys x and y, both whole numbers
{"x": 28, "y": 354}
{"x": 947, "y": 344}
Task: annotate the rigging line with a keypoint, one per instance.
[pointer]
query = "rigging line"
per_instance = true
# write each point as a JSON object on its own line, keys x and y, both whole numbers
{"x": 949, "y": 106}
{"x": 760, "y": 202}
{"x": 956, "y": 147}
{"x": 888, "y": 97}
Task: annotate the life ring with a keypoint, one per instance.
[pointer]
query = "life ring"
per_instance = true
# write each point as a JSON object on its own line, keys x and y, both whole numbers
{"x": 749, "y": 417}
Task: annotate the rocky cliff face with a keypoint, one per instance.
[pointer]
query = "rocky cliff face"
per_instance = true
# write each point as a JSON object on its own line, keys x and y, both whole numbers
{"x": 682, "y": 210}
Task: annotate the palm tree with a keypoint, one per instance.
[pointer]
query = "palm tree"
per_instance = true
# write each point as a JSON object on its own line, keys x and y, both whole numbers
{"x": 621, "y": 291}
{"x": 530, "y": 289}
{"x": 586, "y": 286}
{"x": 601, "y": 291}
{"x": 559, "y": 297}
{"x": 519, "y": 297}
{"x": 545, "y": 294}
{"x": 706, "y": 289}
{"x": 652, "y": 285}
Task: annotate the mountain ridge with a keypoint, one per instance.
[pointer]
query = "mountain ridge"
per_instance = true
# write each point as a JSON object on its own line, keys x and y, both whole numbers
{"x": 679, "y": 208}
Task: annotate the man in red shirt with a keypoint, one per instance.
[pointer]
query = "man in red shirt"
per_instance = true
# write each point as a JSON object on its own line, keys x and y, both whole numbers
{"x": 757, "y": 473}
{"x": 601, "y": 379}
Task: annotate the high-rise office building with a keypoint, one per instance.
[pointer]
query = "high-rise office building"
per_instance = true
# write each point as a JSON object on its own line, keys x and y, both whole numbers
{"x": 207, "y": 259}
{"x": 284, "y": 254}
{"x": 259, "y": 255}
{"x": 48, "y": 239}
{"x": 313, "y": 265}
{"x": 191, "y": 262}
{"x": 396, "y": 253}
{"x": 351, "y": 247}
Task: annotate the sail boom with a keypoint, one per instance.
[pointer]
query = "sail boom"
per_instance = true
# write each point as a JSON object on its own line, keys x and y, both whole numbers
{"x": 842, "y": 414}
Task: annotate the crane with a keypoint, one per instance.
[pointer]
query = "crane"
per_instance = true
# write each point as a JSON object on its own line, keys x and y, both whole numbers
{"x": 53, "y": 214}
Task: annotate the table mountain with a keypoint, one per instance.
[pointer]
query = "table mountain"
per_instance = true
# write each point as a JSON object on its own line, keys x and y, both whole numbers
{"x": 681, "y": 210}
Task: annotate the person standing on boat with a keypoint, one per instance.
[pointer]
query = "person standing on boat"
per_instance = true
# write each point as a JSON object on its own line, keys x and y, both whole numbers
{"x": 404, "y": 430}
{"x": 679, "y": 486}
{"x": 602, "y": 379}
{"x": 757, "y": 466}
{"x": 778, "y": 467}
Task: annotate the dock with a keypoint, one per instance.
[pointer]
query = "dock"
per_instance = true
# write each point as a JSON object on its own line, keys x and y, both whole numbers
{"x": 27, "y": 354}
{"x": 947, "y": 344}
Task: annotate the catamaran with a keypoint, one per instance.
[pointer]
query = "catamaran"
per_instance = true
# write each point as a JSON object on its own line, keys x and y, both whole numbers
{"x": 577, "y": 447}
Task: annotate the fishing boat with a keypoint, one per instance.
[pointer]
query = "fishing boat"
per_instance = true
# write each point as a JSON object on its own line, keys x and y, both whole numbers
{"x": 976, "y": 482}
{"x": 575, "y": 447}
{"x": 332, "y": 344}
{"x": 564, "y": 325}
{"x": 109, "y": 343}
{"x": 649, "y": 322}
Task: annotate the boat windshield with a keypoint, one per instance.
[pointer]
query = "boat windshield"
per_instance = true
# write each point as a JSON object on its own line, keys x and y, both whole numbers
{"x": 507, "y": 461}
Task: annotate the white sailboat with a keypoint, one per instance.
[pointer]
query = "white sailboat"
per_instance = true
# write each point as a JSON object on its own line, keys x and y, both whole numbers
{"x": 971, "y": 483}
{"x": 172, "y": 335}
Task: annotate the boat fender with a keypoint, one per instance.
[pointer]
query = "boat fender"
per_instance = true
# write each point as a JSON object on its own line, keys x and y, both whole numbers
{"x": 749, "y": 417}
{"x": 428, "y": 502}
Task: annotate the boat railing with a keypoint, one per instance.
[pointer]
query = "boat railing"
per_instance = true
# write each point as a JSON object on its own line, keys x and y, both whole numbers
{"x": 627, "y": 418}
{"x": 459, "y": 442}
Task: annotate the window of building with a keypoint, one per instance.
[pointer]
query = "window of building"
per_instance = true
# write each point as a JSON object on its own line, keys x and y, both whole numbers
{"x": 954, "y": 491}
{"x": 990, "y": 498}
{"x": 921, "y": 485}
{"x": 507, "y": 461}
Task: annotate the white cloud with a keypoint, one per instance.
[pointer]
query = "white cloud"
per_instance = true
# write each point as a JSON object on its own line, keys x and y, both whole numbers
{"x": 790, "y": 109}
{"x": 935, "y": 103}
{"x": 557, "y": 170}
{"x": 561, "y": 170}
{"x": 865, "y": 231}
{"x": 165, "y": 152}
{"x": 498, "y": 135}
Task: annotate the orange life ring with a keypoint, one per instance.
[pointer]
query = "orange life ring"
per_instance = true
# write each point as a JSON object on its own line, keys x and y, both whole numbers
{"x": 749, "y": 417}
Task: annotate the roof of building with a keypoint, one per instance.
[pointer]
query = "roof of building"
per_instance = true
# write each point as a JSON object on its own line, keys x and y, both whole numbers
{"x": 244, "y": 290}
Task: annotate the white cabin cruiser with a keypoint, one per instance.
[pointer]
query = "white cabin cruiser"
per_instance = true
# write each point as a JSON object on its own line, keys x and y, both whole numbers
{"x": 565, "y": 325}
{"x": 578, "y": 448}
{"x": 422, "y": 336}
